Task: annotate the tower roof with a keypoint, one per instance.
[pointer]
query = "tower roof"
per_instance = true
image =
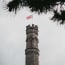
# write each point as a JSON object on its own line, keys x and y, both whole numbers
{"x": 32, "y": 27}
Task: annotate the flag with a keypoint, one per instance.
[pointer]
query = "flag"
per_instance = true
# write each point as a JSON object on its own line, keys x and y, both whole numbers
{"x": 29, "y": 17}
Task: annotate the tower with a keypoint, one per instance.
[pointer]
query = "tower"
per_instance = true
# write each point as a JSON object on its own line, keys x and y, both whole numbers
{"x": 32, "y": 51}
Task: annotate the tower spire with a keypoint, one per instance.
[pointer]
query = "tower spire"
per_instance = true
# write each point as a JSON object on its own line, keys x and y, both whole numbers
{"x": 32, "y": 51}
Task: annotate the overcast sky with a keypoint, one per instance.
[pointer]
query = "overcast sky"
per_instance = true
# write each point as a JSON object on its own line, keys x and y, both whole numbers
{"x": 13, "y": 36}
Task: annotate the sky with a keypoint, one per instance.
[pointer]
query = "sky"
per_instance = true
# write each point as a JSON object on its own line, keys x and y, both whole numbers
{"x": 13, "y": 37}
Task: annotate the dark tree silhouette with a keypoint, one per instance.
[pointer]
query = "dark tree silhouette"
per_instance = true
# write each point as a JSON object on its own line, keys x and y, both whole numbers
{"x": 41, "y": 6}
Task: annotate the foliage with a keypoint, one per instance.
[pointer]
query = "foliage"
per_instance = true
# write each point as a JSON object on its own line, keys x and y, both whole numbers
{"x": 41, "y": 6}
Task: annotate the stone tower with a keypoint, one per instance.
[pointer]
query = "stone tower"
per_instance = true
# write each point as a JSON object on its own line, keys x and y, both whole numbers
{"x": 32, "y": 51}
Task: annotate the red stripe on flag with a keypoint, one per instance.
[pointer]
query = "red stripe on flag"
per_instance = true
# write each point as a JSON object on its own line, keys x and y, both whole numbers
{"x": 29, "y": 17}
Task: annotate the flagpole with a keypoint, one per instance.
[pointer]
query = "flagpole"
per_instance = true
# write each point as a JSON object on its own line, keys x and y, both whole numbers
{"x": 30, "y": 17}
